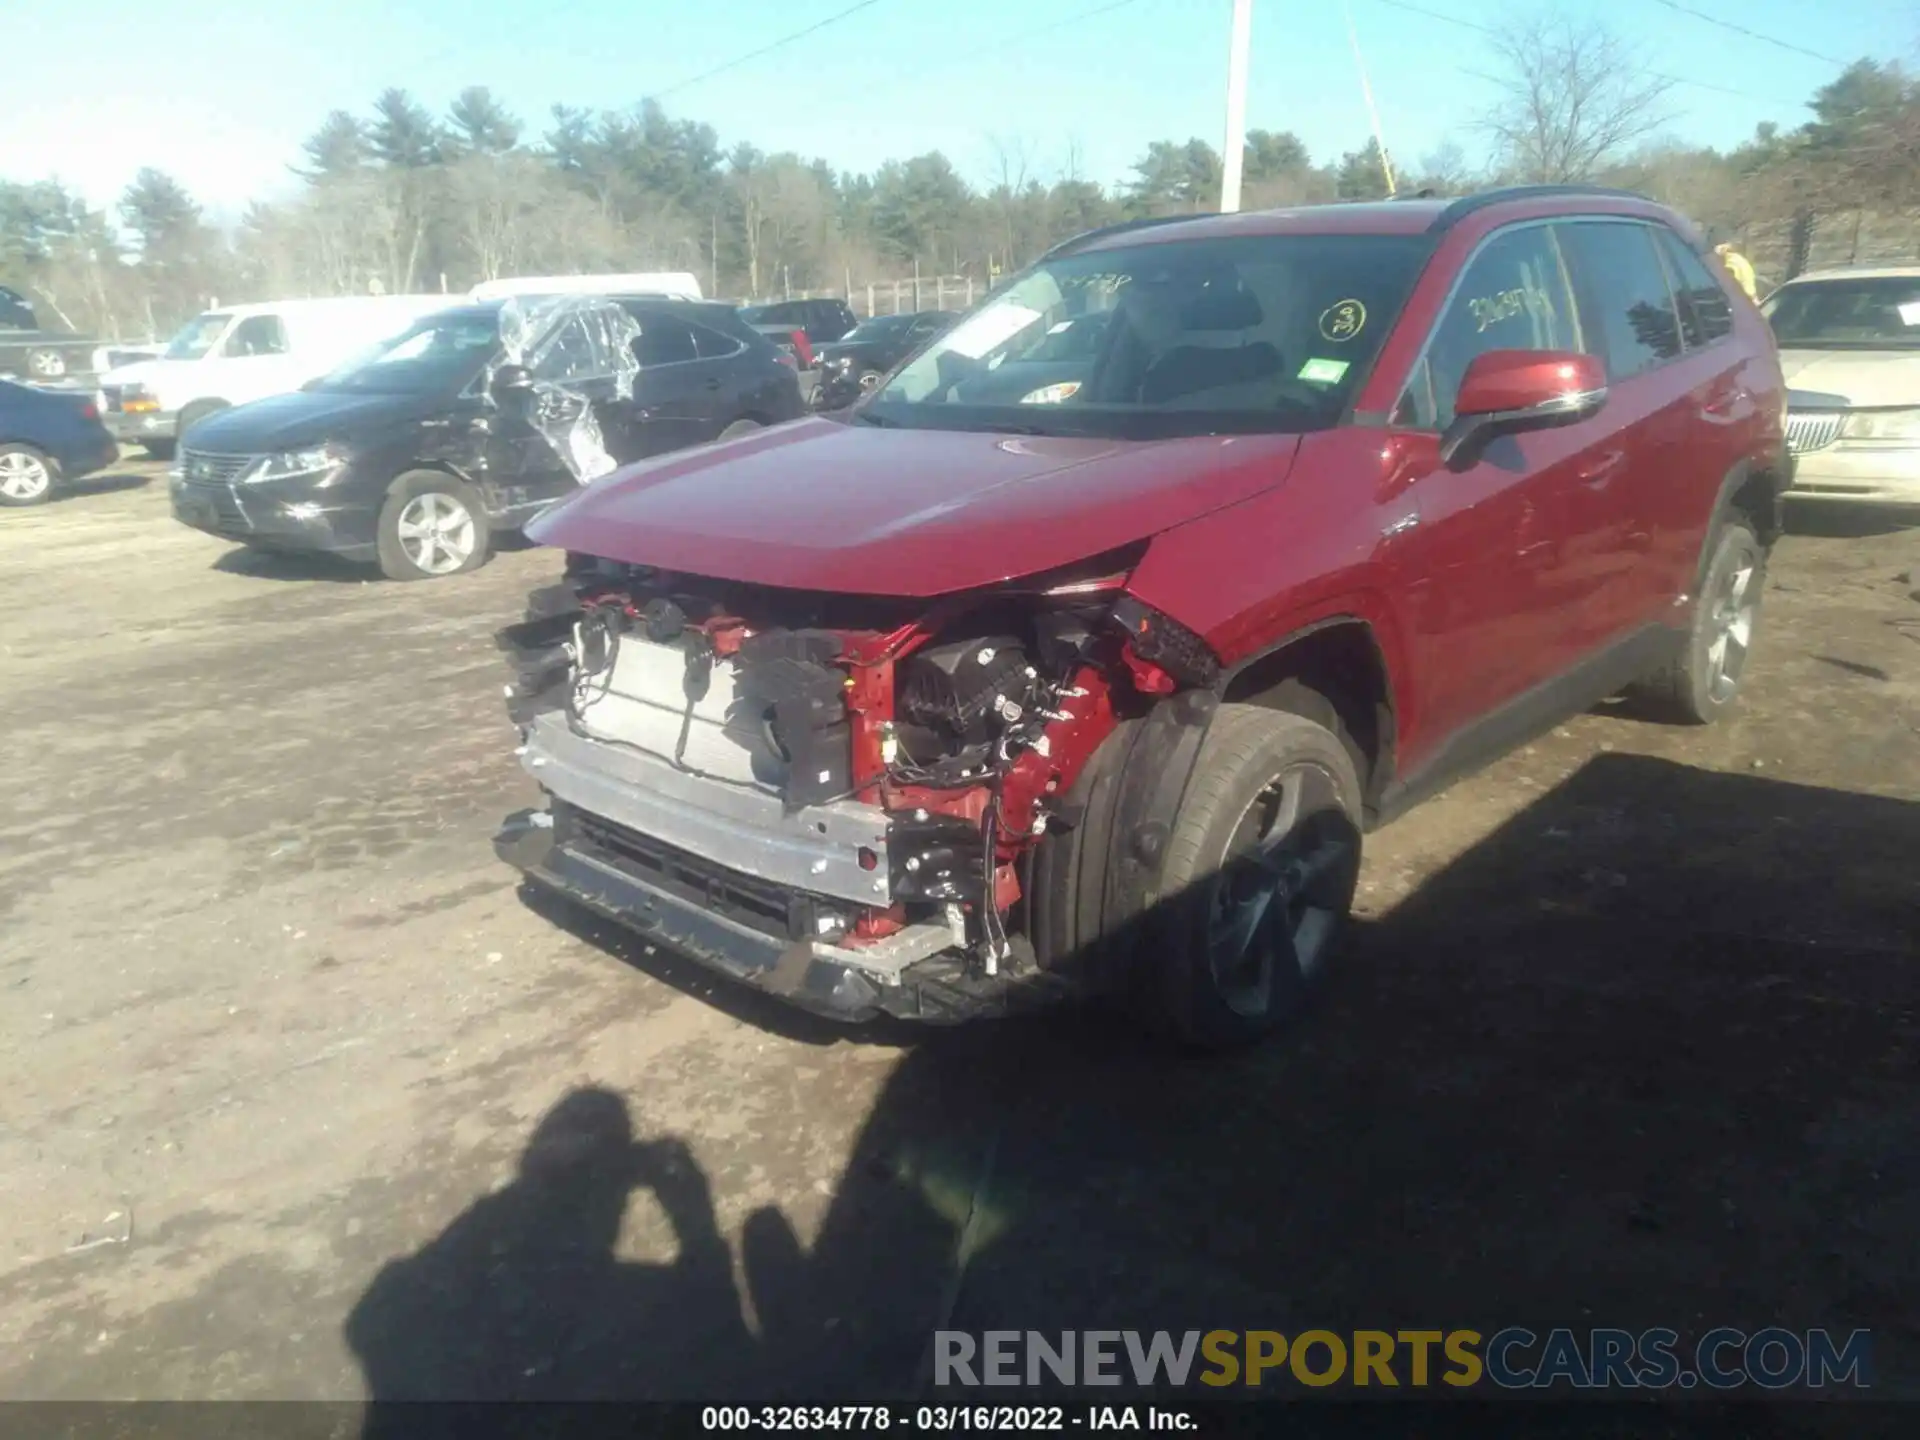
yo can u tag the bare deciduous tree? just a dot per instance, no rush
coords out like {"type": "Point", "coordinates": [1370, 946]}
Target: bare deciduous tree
{"type": "Point", "coordinates": [495, 204]}
{"type": "Point", "coordinates": [1573, 97]}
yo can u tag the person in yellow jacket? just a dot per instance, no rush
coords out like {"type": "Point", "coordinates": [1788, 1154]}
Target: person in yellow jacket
{"type": "Point", "coordinates": [1739, 267]}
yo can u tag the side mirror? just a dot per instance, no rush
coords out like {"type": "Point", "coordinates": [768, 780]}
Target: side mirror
{"type": "Point", "coordinates": [1507, 391]}
{"type": "Point", "coordinates": [509, 382]}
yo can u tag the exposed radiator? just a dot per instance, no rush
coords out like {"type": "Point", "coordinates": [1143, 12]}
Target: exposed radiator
{"type": "Point", "coordinates": [641, 700]}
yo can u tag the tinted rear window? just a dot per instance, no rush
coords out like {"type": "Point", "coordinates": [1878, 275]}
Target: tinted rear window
{"type": "Point", "coordinates": [1705, 314]}
{"type": "Point", "coordinates": [1623, 290]}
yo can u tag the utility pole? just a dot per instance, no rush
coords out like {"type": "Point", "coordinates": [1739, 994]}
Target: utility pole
{"type": "Point", "coordinates": [1366, 93]}
{"type": "Point", "coordinates": [1233, 154]}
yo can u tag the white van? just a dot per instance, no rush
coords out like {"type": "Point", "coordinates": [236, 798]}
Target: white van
{"type": "Point", "coordinates": [246, 352]}
{"type": "Point", "coordinates": [660, 282]}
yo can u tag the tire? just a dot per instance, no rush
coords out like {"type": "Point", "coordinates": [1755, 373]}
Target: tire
{"type": "Point", "coordinates": [194, 414]}
{"type": "Point", "coordinates": [739, 428]}
{"type": "Point", "coordinates": [1704, 680]}
{"type": "Point", "coordinates": [26, 476]}
{"type": "Point", "coordinates": [429, 498]}
{"type": "Point", "coordinates": [46, 364]}
{"type": "Point", "coordinates": [159, 449]}
{"type": "Point", "coordinates": [870, 381]}
{"type": "Point", "coordinates": [1251, 920]}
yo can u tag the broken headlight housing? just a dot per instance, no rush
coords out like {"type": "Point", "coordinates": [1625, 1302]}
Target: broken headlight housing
{"type": "Point", "coordinates": [292, 464]}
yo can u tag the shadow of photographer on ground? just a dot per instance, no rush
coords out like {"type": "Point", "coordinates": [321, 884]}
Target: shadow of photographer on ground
{"type": "Point", "coordinates": [1640, 1056]}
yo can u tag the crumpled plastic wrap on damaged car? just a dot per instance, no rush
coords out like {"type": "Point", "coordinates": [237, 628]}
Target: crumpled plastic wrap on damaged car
{"type": "Point", "coordinates": [579, 350]}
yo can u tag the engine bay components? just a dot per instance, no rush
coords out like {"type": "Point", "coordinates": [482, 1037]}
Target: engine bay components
{"type": "Point", "coordinates": [790, 677]}
{"type": "Point", "coordinates": [954, 731]}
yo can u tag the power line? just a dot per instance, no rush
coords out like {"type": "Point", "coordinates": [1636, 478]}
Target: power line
{"type": "Point", "coordinates": [1480, 29]}
{"type": "Point", "coordinates": [768, 49]}
{"type": "Point", "coordinates": [1728, 25]}
{"type": "Point", "coordinates": [965, 59]}
{"type": "Point", "coordinates": [1436, 15]}
{"type": "Point", "coordinates": [1076, 18]}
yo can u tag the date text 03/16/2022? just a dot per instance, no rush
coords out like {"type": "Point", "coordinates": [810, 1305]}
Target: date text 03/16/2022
{"type": "Point", "coordinates": [946, 1419]}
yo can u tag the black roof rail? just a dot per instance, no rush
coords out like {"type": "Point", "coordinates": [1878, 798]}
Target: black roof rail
{"type": "Point", "coordinates": [1471, 204]}
{"type": "Point", "coordinates": [1087, 237]}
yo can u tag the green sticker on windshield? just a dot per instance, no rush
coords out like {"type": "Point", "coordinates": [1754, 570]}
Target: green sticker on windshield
{"type": "Point", "coordinates": [1323, 372]}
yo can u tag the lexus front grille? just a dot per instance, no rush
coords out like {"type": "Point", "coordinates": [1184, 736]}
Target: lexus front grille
{"type": "Point", "coordinates": [205, 468]}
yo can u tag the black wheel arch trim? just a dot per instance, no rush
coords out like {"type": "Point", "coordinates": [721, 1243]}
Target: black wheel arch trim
{"type": "Point", "coordinates": [1779, 476]}
{"type": "Point", "coordinates": [1383, 770]}
{"type": "Point", "coordinates": [1152, 779]}
{"type": "Point", "coordinates": [417, 466]}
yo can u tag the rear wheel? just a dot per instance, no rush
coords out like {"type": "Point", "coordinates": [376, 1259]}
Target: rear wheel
{"type": "Point", "coordinates": [431, 526]}
{"type": "Point", "coordinates": [26, 476]}
{"type": "Point", "coordinates": [1260, 873]}
{"type": "Point", "coordinates": [870, 381]}
{"type": "Point", "coordinates": [158, 449]}
{"type": "Point", "coordinates": [46, 364]}
{"type": "Point", "coordinates": [1704, 679]}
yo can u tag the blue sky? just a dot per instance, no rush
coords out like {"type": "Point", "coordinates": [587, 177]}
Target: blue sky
{"type": "Point", "coordinates": [220, 92]}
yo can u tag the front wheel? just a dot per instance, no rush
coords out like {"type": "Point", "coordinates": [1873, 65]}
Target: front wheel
{"type": "Point", "coordinates": [1704, 679]}
{"type": "Point", "coordinates": [1260, 873]}
{"type": "Point", "coordinates": [26, 476]}
{"type": "Point", "coordinates": [46, 364]}
{"type": "Point", "coordinates": [431, 526]}
{"type": "Point", "coordinates": [739, 428]}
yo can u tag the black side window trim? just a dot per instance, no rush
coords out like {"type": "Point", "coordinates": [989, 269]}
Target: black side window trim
{"type": "Point", "coordinates": [1590, 309]}
{"type": "Point", "coordinates": [717, 335]}
{"type": "Point", "coordinates": [1666, 234]}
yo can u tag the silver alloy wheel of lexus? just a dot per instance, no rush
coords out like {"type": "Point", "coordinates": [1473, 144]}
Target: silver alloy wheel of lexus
{"type": "Point", "coordinates": [436, 532]}
{"type": "Point", "coordinates": [24, 477]}
{"type": "Point", "coordinates": [46, 364]}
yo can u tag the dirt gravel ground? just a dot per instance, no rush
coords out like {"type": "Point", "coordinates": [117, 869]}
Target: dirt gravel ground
{"type": "Point", "coordinates": [300, 1098]}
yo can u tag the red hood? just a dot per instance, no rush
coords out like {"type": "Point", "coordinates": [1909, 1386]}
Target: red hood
{"type": "Point", "coordinates": [827, 505]}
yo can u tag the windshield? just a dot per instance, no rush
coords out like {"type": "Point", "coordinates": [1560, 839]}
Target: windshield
{"type": "Point", "coordinates": [879, 328]}
{"type": "Point", "coordinates": [1871, 313]}
{"type": "Point", "coordinates": [1230, 335]}
{"type": "Point", "coordinates": [1064, 340]}
{"type": "Point", "coordinates": [198, 336]}
{"type": "Point", "coordinates": [439, 354]}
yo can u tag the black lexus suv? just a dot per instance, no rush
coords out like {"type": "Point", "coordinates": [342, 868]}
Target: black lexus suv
{"type": "Point", "coordinates": [416, 454]}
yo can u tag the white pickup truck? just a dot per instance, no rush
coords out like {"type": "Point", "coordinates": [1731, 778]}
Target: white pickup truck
{"type": "Point", "coordinates": [230, 356]}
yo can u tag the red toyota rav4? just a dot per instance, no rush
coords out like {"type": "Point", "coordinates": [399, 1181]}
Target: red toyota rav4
{"type": "Point", "coordinates": [1061, 668]}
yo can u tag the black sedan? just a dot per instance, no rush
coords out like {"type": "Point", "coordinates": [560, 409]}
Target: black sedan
{"type": "Point", "coordinates": [46, 437]}
{"type": "Point", "coordinates": [414, 455]}
{"type": "Point", "coordinates": [859, 360]}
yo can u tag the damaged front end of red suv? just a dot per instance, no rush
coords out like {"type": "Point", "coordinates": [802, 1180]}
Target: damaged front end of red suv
{"type": "Point", "coordinates": [842, 799]}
